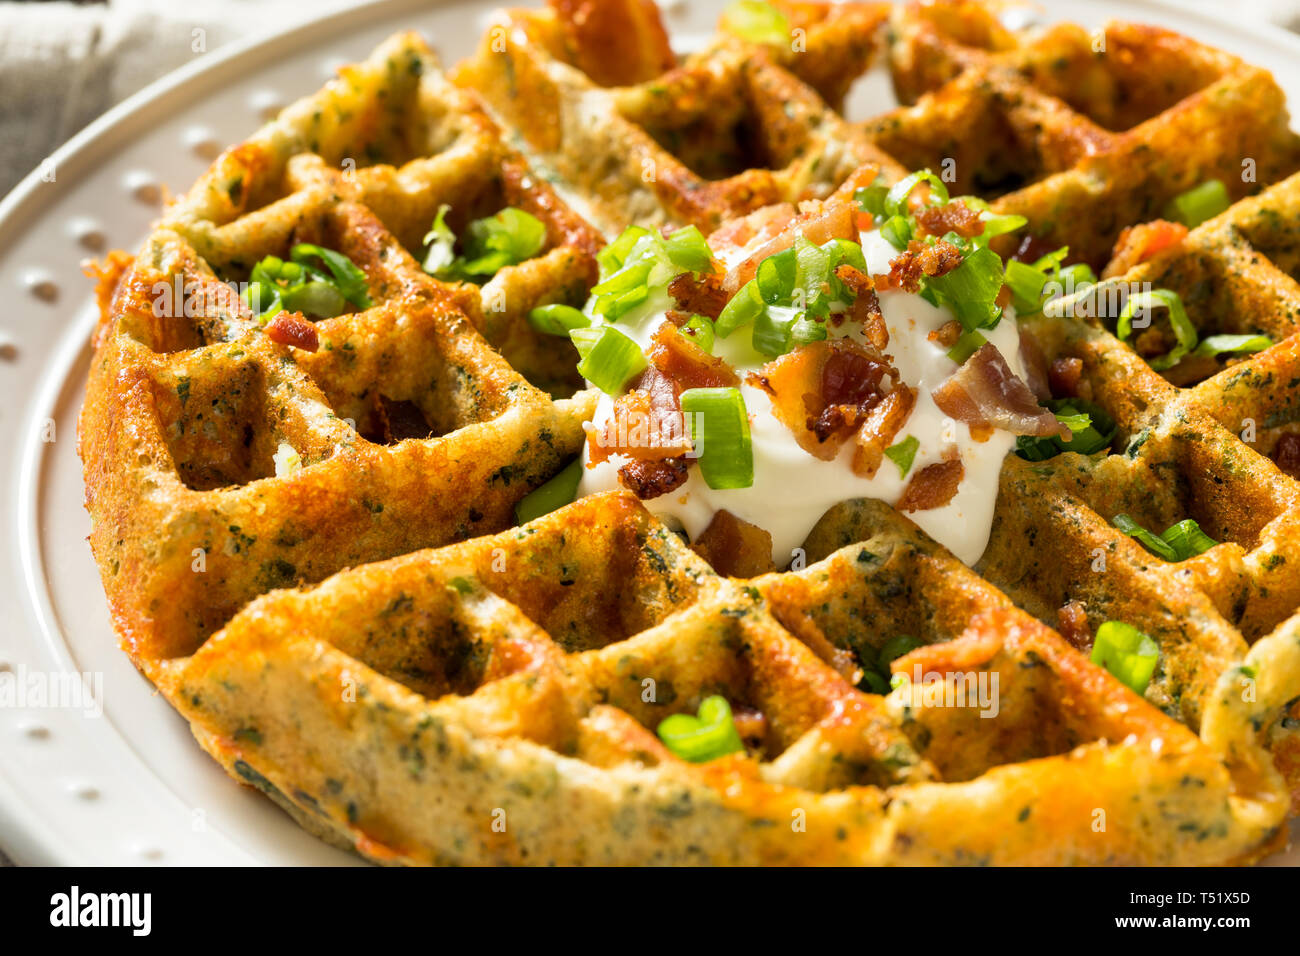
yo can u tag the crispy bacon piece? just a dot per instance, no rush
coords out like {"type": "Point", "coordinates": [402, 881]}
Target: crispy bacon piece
{"type": "Point", "coordinates": [878, 430]}
{"type": "Point", "coordinates": [1064, 376]}
{"type": "Point", "coordinates": [866, 305]}
{"type": "Point", "coordinates": [650, 479]}
{"type": "Point", "coordinates": [699, 295]}
{"type": "Point", "coordinates": [290, 328]}
{"type": "Point", "coordinates": [1286, 454]}
{"type": "Point", "coordinates": [759, 226]}
{"type": "Point", "coordinates": [641, 429]}
{"type": "Point", "coordinates": [750, 723]}
{"type": "Point", "coordinates": [1072, 622]}
{"type": "Point", "coordinates": [817, 221]}
{"type": "Point", "coordinates": [1139, 243]}
{"type": "Point", "coordinates": [685, 364]}
{"type": "Point", "coordinates": [932, 487]}
{"type": "Point", "coordinates": [647, 423]}
{"type": "Point", "coordinates": [904, 270]}
{"type": "Point", "coordinates": [940, 258]}
{"type": "Point", "coordinates": [734, 547]}
{"type": "Point", "coordinates": [616, 42]}
{"type": "Point", "coordinates": [828, 390]}
{"type": "Point", "coordinates": [953, 217]}
{"type": "Point", "coordinates": [946, 334]}
{"type": "Point", "coordinates": [984, 391]}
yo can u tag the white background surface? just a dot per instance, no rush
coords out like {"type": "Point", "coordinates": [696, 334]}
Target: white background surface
{"type": "Point", "coordinates": [132, 786]}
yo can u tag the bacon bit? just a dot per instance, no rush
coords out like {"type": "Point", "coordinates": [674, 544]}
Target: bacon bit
{"type": "Point", "coordinates": [699, 296]}
{"type": "Point", "coordinates": [650, 479]}
{"type": "Point", "coordinates": [1064, 377]}
{"type": "Point", "coordinates": [817, 221]}
{"type": "Point", "coordinates": [946, 334]}
{"type": "Point", "coordinates": [290, 328]}
{"type": "Point", "coordinates": [734, 547]}
{"type": "Point", "coordinates": [985, 391]}
{"type": "Point", "coordinates": [823, 390]}
{"type": "Point", "coordinates": [906, 268]}
{"type": "Point", "coordinates": [750, 723]}
{"type": "Point", "coordinates": [879, 428]}
{"type": "Point", "coordinates": [1286, 454]}
{"type": "Point", "coordinates": [932, 487]}
{"type": "Point", "coordinates": [953, 217]}
{"type": "Point", "coordinates": [866, 305]}
{"type": "Point", "coordinates": [981, 433]}
{"type": "Point", "coordinates": [1003, 298]}
{"type": "Point", "coordinates": [1137, 244]}
{"type": "Point", "coordinates": [1036, 376]}
{"type": "Point", "coordinates": [685, 364]}
{"type": "Point", "coordinates": [639, 429]}
{"type": "Point", "coordinates": [759, 226]}
{"type": "Point", "coordinates": [940, 258]}
{"type": "Point", "coordinates": [1072, 622]}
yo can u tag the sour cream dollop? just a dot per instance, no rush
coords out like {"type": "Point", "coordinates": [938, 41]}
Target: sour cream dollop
{"type": "Point", "coordinates": [792, 489]}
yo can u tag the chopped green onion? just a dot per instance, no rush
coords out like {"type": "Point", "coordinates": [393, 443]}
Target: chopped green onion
{"type": "Point", "coordinates": [1184, 331]}
{"type": "Point", "coordinates": [555, 493]}
{"type": "Point", "coordinates": [316, 298]}
{"type": "Point", "coordinates": [895, 648]}
{"type": "Point", "coordinates": [806, 330]}
{"type": "Point", "coordinates": [897, 231]}
{"type": "Point", "coordinates": [1127, 653]}
{"type": "Point", "coordinates": [441, 242]}
{"type": "Point", "coordinates": [843, 251]}
{"type": "Point", "coordinates": [872, 198]}
{"type": "Point", "coordinates": [609, 358]}
{"type": "Point", "coordinates": [773, 331]}
{"type": "Point", "coordinates": [623, 291]}
{"type": "Point", "coordinates": [896, 198]}
{"type": "Point", "coordinates": [998, 225]}
{"type": "Point", "coordinates": [557, 319]}
{"type": "Point", "coordinates": [1027, 284]}
{"type": "Point", "coordinates": [971, 290]}
{"type": "Point", "coordinates": [699, 329]}
{"type": "Point", "coordinates": [348, 279]}
{"type": "Point", "coordinates": [688, 250]}
{"type": "Point", "coordinates": [1233, 344]}
{"type": "Point", "coordinates": [611, 258]}
{"type": "Point", "coordinates": [506, 239]}
{"type": "Point", "coordinates": [1178, 542]}
{"type": "Point", "coordinates": [777, 276]}
{"type": "Point", "coordinates": [967, 345]}
{"type": "Point", "coordinates": [720, 432]}
{"type": "Point", "coordinates": [710, 734]}
{"type": "Point", "coordinates": [1199, 203]}
{"type": "Point", "coordinates": [1086, 441]}
{"type": "Point", "coordinates": [875, 684]}
{"type": "Point", "coordinates": [755, 21]}
{"type": "Point", "coordinates": [745, 306]}
{"type": "Point", "coordinates": [1187, 539]}
{"type": "Point", "coordinates": [1153, 543]}
{"type": "Point", "coordinates": [1077, 276]}
{"type": "Point", "coordinates": [903, 454]}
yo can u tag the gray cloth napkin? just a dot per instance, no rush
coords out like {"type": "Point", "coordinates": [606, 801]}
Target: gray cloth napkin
{"type": "Point", "coordinates": [63, 64]}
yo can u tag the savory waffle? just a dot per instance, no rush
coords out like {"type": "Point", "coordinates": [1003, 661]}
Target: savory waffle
{"type": "Point", "coordinates": [494, 697]}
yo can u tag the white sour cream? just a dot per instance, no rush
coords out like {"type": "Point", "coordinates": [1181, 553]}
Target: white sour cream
{"type": "Point", "coordinates": [792, 489]}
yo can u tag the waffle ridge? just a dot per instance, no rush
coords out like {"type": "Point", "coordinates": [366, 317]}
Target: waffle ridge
{"type": "Point", "coordinates": [374, 644]}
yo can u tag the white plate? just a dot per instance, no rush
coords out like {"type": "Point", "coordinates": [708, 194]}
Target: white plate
{"type": "Point", "coordinates": [129, 785]}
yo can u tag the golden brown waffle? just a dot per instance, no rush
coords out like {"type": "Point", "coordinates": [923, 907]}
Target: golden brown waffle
{"type": "Point", "coordinates": [371, 643]}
